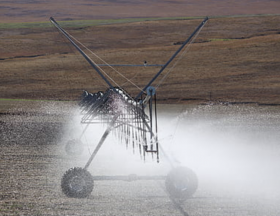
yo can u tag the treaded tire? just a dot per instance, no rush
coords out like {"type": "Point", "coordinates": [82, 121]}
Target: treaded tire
{"type": "Point", "coordinates": [77, 182]}
{"type": "Point", "coordinates": [181, 183]}
{"type": "Point", "coordinates": [74, 147]}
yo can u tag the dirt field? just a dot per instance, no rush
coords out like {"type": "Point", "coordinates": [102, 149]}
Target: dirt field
{"type": "Point", "coordinates": [33, 159]}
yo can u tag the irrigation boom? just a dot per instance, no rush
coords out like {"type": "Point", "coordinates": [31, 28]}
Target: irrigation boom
{"type": "Point", "coordinates": [125, 116]}
{"type": "Point", "coordinates": [81, 51]}
{"type": "Point", "coordinates": [101, 74]}
{"type": "Point", "coordinates": [172, 57]}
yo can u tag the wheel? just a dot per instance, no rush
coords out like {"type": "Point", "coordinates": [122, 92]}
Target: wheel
{"type": "Point", "coordinates": [74, 147]}
{"type": "Point", "coordinates": [77, 182]}
{"type": "Point", "coordinates": [181, 183]}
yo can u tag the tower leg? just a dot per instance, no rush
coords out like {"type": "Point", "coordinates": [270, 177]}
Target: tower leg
{"type": "Point", "coordinates": [103, 138]}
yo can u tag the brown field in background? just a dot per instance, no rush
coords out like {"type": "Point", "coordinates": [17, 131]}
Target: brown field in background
{"type": "Point", "coordinates": [39, 10]}
{"type": "Point", "coordinates": [233, 59]}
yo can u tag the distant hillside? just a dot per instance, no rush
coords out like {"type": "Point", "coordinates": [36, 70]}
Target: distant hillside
{"type": "Point", "coordinates": [233, 59]}
{"type": "Point", "coordinates": [41, 10]}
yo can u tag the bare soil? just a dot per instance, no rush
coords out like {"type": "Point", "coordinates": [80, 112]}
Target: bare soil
{"type": "Point", "coordinates": [33, 160]}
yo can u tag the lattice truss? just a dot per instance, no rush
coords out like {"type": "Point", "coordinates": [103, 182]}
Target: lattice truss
{"type": "Point", "coordinates": [123, 114]}
{"type": "Point", "coordinates": [126, 118]}
{"type": "Point", "coordinates": [129, 121]}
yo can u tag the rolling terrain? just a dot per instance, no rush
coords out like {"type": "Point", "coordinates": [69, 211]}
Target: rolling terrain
{"type": "Point", "coordinates": [233, 59]}
{"type": "Point", "coordinates": [39, 10]}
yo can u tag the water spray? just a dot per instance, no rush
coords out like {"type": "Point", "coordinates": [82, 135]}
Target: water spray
{"type": "Point", "coordinates": [127, 118]}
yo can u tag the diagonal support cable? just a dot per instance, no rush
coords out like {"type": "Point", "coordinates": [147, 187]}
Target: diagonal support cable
{"type": "Point", "coordinates": [81, 51]}
{"type": "Point", "coordinates": [171, 59]}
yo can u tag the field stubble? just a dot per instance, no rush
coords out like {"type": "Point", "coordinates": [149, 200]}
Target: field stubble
{"type": "Point", "coordinates": [33, 160]}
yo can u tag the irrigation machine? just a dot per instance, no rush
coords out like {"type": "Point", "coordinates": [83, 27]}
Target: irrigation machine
{"type": "Point", "coordinates": [133, 120]}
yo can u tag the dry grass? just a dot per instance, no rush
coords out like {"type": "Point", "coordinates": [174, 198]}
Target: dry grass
{"type": "Point", "coordinates": [32, 10]}
{"type": "Point", "coordinates": [233, 59]}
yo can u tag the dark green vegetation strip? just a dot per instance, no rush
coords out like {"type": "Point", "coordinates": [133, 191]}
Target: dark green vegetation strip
{"type": "Point", "coordinates": [83, 23]}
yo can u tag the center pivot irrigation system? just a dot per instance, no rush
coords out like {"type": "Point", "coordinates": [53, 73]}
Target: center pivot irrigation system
{"type": "Point", "coordinates": [133, 120]}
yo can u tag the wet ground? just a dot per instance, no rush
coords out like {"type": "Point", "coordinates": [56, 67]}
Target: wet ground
{"type": "Point", "coordinates": [233, 149]}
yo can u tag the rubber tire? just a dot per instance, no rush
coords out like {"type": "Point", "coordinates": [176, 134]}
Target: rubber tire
{"type": "Point", "coordinates": [181, 183]}
{"type": "Point", "coordinates": [77, 182]}
{"type": "Point", "coordinates": [74, 147]}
